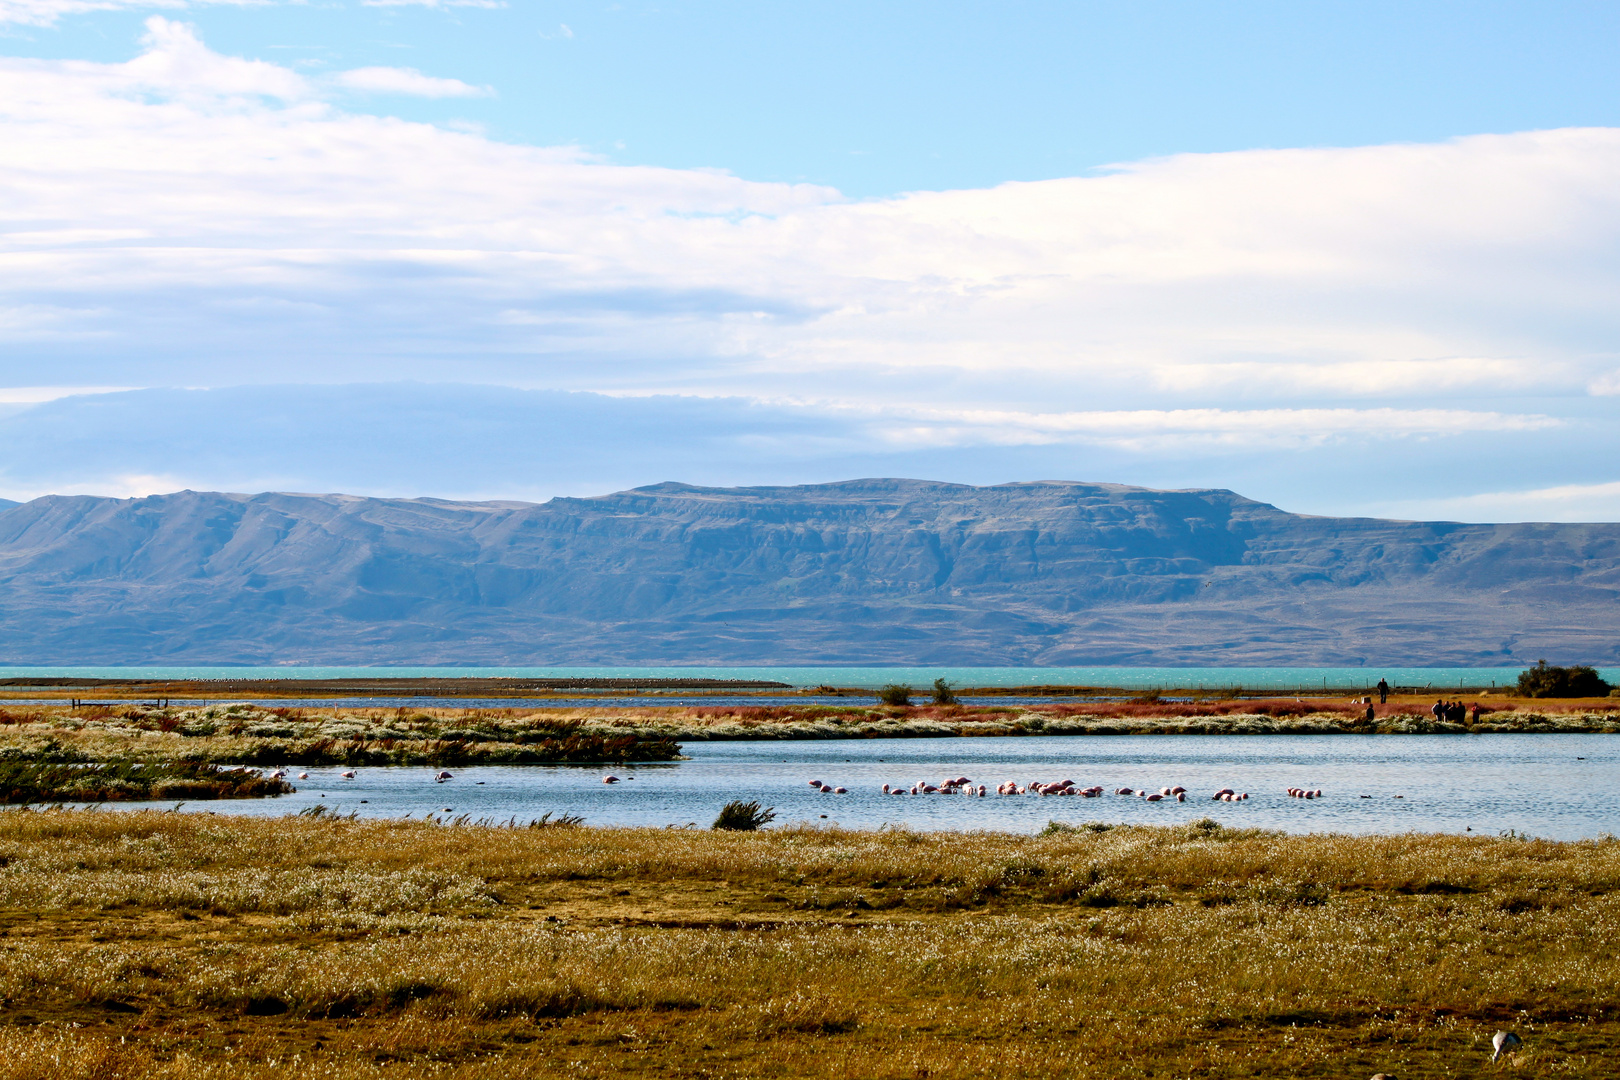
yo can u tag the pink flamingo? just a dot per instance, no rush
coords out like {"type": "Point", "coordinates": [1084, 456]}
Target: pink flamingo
{"type": "Point", "coordinates": [610, 779]}
{"type": "Point", "coordinates": [349, 775]}
{"type": "Point", "coordinates": [442, 777]}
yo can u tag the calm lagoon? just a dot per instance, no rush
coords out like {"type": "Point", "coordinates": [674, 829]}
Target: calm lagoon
{"type": "Point", "coordinates": [1557, 786]}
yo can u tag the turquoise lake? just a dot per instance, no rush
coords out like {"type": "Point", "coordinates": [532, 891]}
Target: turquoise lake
{"type": "Point", "coordinates": [1142, 678]}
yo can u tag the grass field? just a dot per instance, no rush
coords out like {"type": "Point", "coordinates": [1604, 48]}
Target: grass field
{"type": "Point", "coordinates": [188, 945]}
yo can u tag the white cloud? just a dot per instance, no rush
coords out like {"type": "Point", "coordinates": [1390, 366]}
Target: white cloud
{"type": "Point", "coordinates": [1362, 378]}
{"type": "Point", "coordinates": [1159, 430]}
{"type": "Point", "coordinates": [160, 214]}
{"type": "Point", "coordinates": [177, 62]}
{"type": "Point", "coordinates": [36, 395]}
{"type": "Point", "coordinates": [49, 12]}
{"type": "Point", "coordinates": [1563, 502]}
{"type": "Point", "coordinates": [435, 3]}
{"type": "Point", "coordinates": [407, 81]}
{"type": "Point", "coordinates": [1606, 385]}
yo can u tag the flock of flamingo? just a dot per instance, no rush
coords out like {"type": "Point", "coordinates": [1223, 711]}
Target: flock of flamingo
{"type": "Point", "coordinates": [961, 785]}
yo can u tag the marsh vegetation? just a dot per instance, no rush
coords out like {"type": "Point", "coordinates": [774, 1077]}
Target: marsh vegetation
{"type": "Point", "coordinates": [190, 946]}
{"type": "Point", "coordinates": [243, 734]}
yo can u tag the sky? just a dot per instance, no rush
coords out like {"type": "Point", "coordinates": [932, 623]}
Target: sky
{"type": "Point", "coordinates": [1347, 258]}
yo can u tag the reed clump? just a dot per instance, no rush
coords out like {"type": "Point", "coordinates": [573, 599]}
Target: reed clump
{"type": "Point", "coordinates": [173, 945]}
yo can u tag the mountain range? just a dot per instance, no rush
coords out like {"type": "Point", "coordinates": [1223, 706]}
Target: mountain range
{"type": "Point", "coordinates": [865, 571]}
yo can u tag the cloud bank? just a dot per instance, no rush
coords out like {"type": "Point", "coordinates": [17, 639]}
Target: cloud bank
{"type": "Point", "coordinates": [193, 219]}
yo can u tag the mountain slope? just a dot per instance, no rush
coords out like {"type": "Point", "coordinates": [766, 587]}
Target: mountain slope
{"type": "Point", "coordinates": [862, 571]}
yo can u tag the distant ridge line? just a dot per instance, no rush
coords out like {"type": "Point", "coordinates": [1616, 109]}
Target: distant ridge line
{"type": "Point", "coordinates": [870, 572]}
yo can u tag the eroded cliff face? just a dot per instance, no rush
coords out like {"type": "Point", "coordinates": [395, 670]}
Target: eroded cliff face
{"type": "Point", "coordinates": [862, 571]}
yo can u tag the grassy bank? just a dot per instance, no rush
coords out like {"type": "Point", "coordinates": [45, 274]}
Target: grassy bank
{"type": "Point", "coordinates": [173, 945]}
{"type": "Point", "coordinates": [249, 735]}
{"type": "Point", "coordinates": [35, 782]}
{"type": "Point", "coordinates": [252, 735]}
{"type": "Point", "coordinates": [1264, 717]}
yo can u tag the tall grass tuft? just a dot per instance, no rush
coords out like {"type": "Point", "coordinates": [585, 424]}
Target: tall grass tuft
{"type": "Point", "coordinates": [739, 816]}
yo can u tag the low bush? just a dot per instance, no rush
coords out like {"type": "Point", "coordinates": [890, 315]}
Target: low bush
{"type": "Point", "coordinates": [897, 694]}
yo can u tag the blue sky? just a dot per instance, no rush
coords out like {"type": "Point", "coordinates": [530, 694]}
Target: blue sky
{"type": "Point", "coordinates": [1348, 258]}
{"type": "Point", "coordinates": [880, 98]}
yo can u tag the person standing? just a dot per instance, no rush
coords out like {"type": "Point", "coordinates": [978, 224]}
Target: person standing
{"type": "Point", "coordinates": [1383, 692]}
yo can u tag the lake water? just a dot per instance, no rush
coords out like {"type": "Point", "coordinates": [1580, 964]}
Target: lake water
{"type": "Point", "coordinates": [1556, 786]}
{"type": "Point", "coordinates": [1140, 678]}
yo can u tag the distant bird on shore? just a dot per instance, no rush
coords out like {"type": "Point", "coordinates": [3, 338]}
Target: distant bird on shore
{"type": "Point", "coordinates": [1504, 1042]}
{"type": "Point", "coordinates": [347, 774]}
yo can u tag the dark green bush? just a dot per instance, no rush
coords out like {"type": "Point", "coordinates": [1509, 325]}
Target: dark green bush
{"type": "Point", "coordinates": [739, 816]}
{"type": "Point", "coordinates": [942, 693]}
{"type": "Point", "coordinates": [1579, 681]}
{"type": "Point", "coordinates": [895, 694]}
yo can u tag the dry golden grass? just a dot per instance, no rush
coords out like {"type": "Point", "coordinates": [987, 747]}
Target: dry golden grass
{"type": "Point", "coordinates": [189, 946]}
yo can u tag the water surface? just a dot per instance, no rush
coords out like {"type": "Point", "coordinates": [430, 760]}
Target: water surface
{"type": "Point", "coordinates": [1556, 786]}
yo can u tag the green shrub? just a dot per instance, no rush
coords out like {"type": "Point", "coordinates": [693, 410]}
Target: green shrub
{"type": "Point", "coordinates": [942, 693]}
{"type": "Point", "coordinates": [739, 816]}
{"type": "Point", "coordinates": [895, 694]}
{"type": "Point", "coordinates": [1580, 681]}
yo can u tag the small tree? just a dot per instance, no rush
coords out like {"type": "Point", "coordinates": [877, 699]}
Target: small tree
{"type": "Point", "coordinates": [1578, 681]}
{"type": "Point", "coordinates": [895, 694]}
{"type": "Point", "coordinates": [942, 693]}
{"type": "Point", "coordinates": [739, 816]}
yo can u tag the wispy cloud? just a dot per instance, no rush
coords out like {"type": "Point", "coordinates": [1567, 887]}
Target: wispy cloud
{"type": "Point", "coordinates": [1563, 502]}
{"type": "Point", "coordinates": [1159, 430]}
{"type": "Point", "coordinates": [435, 3]}
{"type": "Point", "coordinates": [49, 12]}
{"type": "Point", "coordinates": [35, 395]}
{"type": "Point", "coordinates": [407, 81]}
